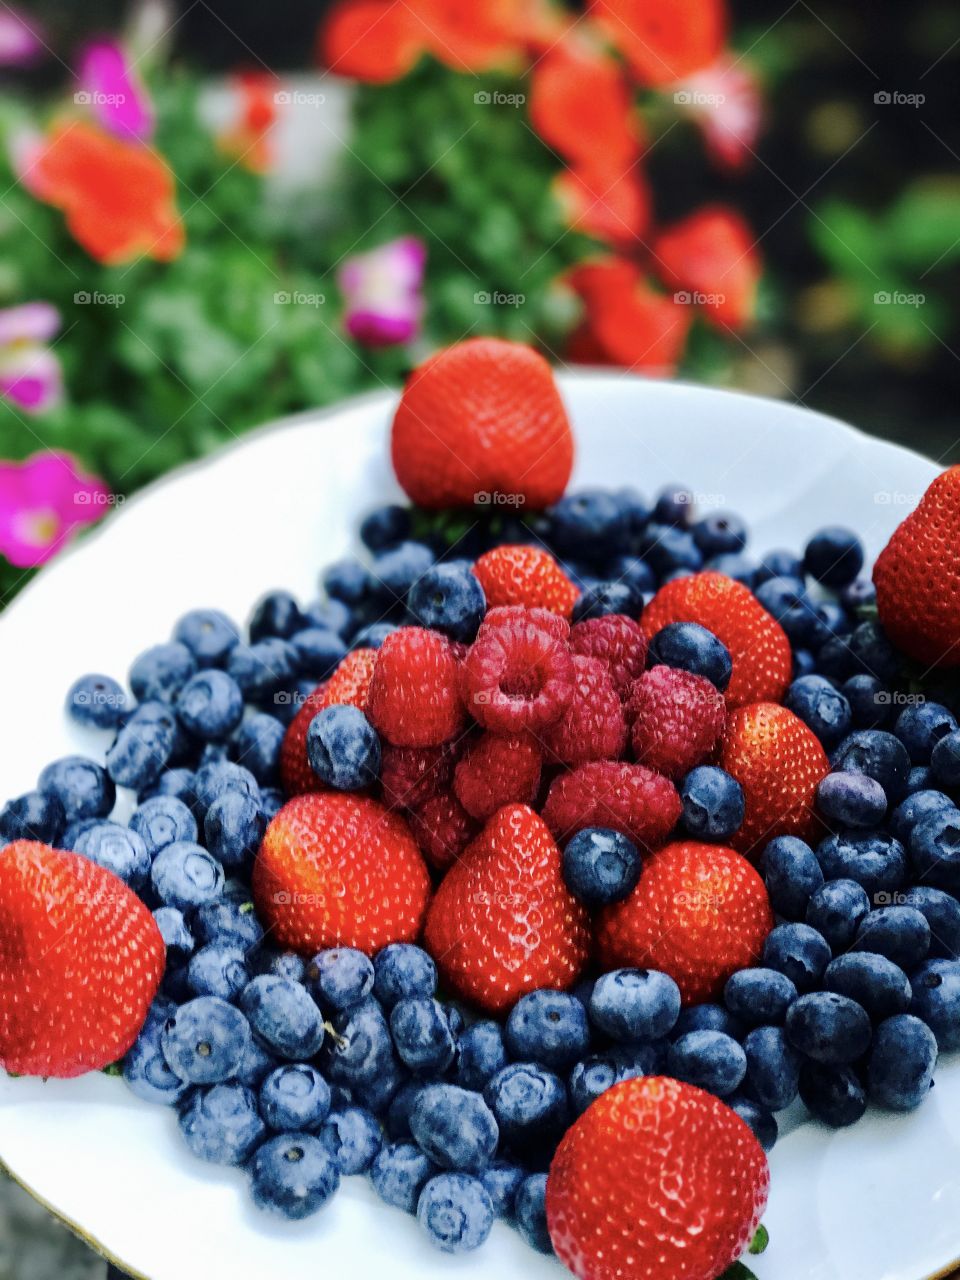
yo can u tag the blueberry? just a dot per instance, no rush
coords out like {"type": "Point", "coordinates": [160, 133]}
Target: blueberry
{"type": "Point", "coordinates": [283, 1015]}
{"type": "Point", "coordinates": [757, 996]}
{"type": "Point", "coordinates": [945, 760]}
{"type": "Point", "coordinates": [204, 1040]}
{"type": "Point", "coordinates": [834, 556]}
{"type": "Point", "coordinates": [720, 533]}
{"type": "Point", "coordinates": [635, 1004]}
{"type": "Point", "coordinates": [98, 701]}
{"type": "Point", "coordinates": [673, 505]}
{"type": "Point", "coordinates": [353, 1137]}
{"type": "Point", "coordinates": [343, 748]}
{"type": "Point", "coordinates": [208, 634]}
{"type": "Point", "coordinates": [832, 1094]}
{"type": "Point", "coordinates": [161, 821]}
{"type": "Point", "coordinates": [399, 1173]}
{"type": "Point", "coordinates": [256, 744]}
{"type": "Point", "coordinates": [589, 522]}
{"type": "Point", "coordinates": [227, 920]}
{"type": "Point", "coordinates": [713, 803]}
{"type": "Point", "coordinates": [422, 1036]}
{"type": "Point", "coordinates": [210, 705]}
{"type": "Point", "coordinates": [159, 674]}
{"type": "Point", "coordinates": [836, 910]}
{"type": "Point", "coordinates": [635, 574]}
{"type": "Point", "coordinates": [707, 1017]}
{"type": "Point", "coordinates": [396, 570]}
{"type": "Point", "coordinates": [530, 1211]}
{"type": "Point", "coordinates": [757, 1118]}
{"type": "Point", "coordinates": [319, 650]}
{"type": "Point", "coordinates": [779, 564]}
{"type": "Point", "coordinates": [263, 668]}
{"type": "Point", "coordinates": [871, 651]}
{"type": "Point", "coordinates": [590, 1078]}
{"type": "Point", "coordinates": [501, 1181]}
{"type": "Point", "coordinates": [233, 828]}
{"type": "Point", "coordinates": [859, 595]}
{"type": "Point", "coordinates": [82, 787]}
{"type": "Point", "coordinates": [921, 726]}
{"type": "Point", "coordinates": [920, 779]}
{"type": "Point", "coordinates": [283, 964]}
{"type": "Point", "coordinates": [851, 800]}
{"type": "Point", "coordinates": [177, 938]}
{"type": "Point", "coordinates": [918, 806]}
{"type": "Point", "coordinates": [708, 1059]}
{"type": "Point", "coordinates": [548, 1027]}
{"type": "Point", "coordinates": [602, 598]}
{"type": "Point", "coordinates": [256, 1065]}
{"type": "Point", "coordinates": [455, 1127]}
{"type": "Point", "coordinates": [218, 969]}
{"type": "Point", "coordinates": [385, 526]}
{"type": "Point", "coordinates": [821, 707]}
{"type": "Point", "coordinates": [403, 970]}
{"type": "Point", "coordinates": [272, 801]}
{"type": "Point", "coordinates": [377, 1094]}
{"type": "Point", "coordinates": [601, 866]}
{"type": "Point", "coordinates": [902, 1060]}
{"type": "Point", "coordinates": [936, 1000]}
{"type": "Point", "coordinates": [144, 746]}
{"type": "Point", "coordinates": [361, 1049]}
{"type": "Point", "coordinates": [146, 1071]}
{"type": "Point", "coordinates": [373, 635]}
{"type": "Point", "coordinates": [116, 849]}
{"type": "Point", "coordinates": [184, 875]}
{"type": "Point", "coordinates": [880, 756]}
{"type": "Point", "coordinates": [900, 933]}
{"type": "Point", "coordinates": [874, 860]}
{"type": "Point", "coordinates": [668, 549]}
{"type": "Point", "coordinates": [293, 1176]}
{"type": "Point", "coordinates": [942, 912]}
{"type": "Point", "coordinates": [740, 568]}
{"type": "Point", "coordinates": [787, 600]}
{"type": "Point", "coordinates": [869, 701]}
{"type": "Point", "coordinates": [397, 1122]}
{"type": "Point", "coordinates": [213, 779]}
{"type": "Point", "coordinates": [275, 614]}
{"type": "Point", "coordinates": [37, 815]}
{"type": "Point", "coordinates": [792, 875]}
{"type": "Point", "coordinates": [341, 977]}
{"type": "Point", "coordinates": [646, 1059]}
{"type": "Point", "coordinates": [529, 1103]}
{"type": "Point", "coordinates": [482, 1055]}
{"type": "Point", "coordinates": [772, 1074]}
{"type": "Point", "coordinates": [175, 783]}
{"type": "Point", "coordinates": [456, 1212]}
{"type": "Point", "coordinates": [329, 615]}
{"type": "Point", "coordinates": [829, 1028]}
{"type": "Point", "coordinates": [935, 850]}
{"type": "Point", "coordinates": [692, 648]}
{"type": "Point", "coordinates": [799, 952]}
{"type": "Point", "coordinates": [295, 1098]}
{"type": "Point", "coordinates": [449, 598]}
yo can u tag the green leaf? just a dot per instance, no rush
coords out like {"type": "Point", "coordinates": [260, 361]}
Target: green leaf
{"type": "Point", "coordinates": [760, 1240]}
{"type": "Point", "coordinates": [738, 1272]}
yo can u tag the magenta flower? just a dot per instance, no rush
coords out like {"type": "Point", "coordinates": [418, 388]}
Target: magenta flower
{"type": "Point", "coordinates": [726, 102]}
{"type": "Point", "coordinates": [20, 43]}
{"type": "Point", "coordinates": [110, 86]}
{"type": "Point", "coordinates": [382, 292]}
{"type": "Point", "coordinates": [29, 371]}
{"type": "Point", "coordinates": [43, 501]}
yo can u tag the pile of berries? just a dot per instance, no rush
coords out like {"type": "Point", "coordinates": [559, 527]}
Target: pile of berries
{"type": "Point", "coordinates": [499, 853]}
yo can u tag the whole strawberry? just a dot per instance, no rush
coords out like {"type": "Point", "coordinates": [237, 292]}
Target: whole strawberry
{"type": "Point", "coordinates": [496, 770]}
{"type": "Point", "coordinates": [759, 648]}
{"type": "Point", "coordinates": [629, 798]}
{"type": "Point", "coordinates": [677, 719]}
{"type": "Point", "coordinates": [618, 641]}
{"type": "Point", "coordinates": [699, 913]}
{"type": "Point", "coordinates": [349, 685]}
{"type": "Point", "coordinates": [81, 959]}
{"type": "Point", "coordinates": [480, 418]}
{"type": "Point", "coordinates": [527, 576]}
{"type": "Point", "coordinates": [503, 922]}
{"type": "Point", "coordinates": [657, 1180]}
{"type": "Point", "coordinates": [414, 695]}
{"type": "Point", "coordinates": [917, 577]}
{"type": "Point", "coordinates": [779, 763]}
{"type": "Point", "coordinates": [339, 870]}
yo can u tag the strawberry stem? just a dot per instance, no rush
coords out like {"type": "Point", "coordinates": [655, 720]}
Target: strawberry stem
{"type": "Point", "coordinates": [759, 1241]}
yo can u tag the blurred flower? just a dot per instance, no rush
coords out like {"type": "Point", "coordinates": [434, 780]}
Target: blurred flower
{"type": "Point", "coordinates": [661, 42]}
{"type": "Point", "coordinates": [20, 43]}
{"type": "Point", "coordinates": [382, 291]}
{"type": "Point", "coordinates": [110, 86]}
{"type": "Point", "coordinates": [248, 138]}
{"type": "Point", "coordinates": [711, 257]}
{"type": "Point", "coordinates": [119, 199]}
{"type": "Point", "coordinates": [613, 205]}
{"type": "Point", "coordinates": [42, 503]}
{"type": "Point", "coordinates": [626, 321]}
{"type": "Point", "coordinates": [725, 101]}
{"type": "Point", "coordinates": [29, 371]}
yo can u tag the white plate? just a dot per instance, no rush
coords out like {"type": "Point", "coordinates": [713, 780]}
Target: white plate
{"type": "Point", "coordinates": [880, 1201]}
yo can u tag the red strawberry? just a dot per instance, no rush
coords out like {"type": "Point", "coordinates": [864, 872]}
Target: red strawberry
{"type": "Point", "coordinates": [593, 726]}
{"type": "Point", "coordinates": [657, 51]}
{"type": "Point", "coordinates": [496, 770]}
{"type": "Point", "coordinates": [503, 922]}
{"type": "Point", "coordinates": [443, 829]}
{"type": "Point", "coordinates": [339, 870]}
{"type": "Point", "coordinates": [762, 661]}
{"type": "Point", "coordinates": [629, 798]}
{"type": "Point", "coordinates": [699, 913]}
{"type": "Point", "coordinates": [350, 685]}
{"type": "Point", "coordinates": [482, 417]}
{"type": "Point", "coordinates": [713, 253]}
{"type": "Point", "coordinates": [80, 961]}
{"type": "Point", "coordinates": [414, 695]}
{"type": "Point", "coordinates": [518, 675]}
{"type": "Point", "coordinates": [525, 575]}
{"type": "Point", "coordinates": [918, 577]}
{"type": "Point", "coordinates": [657, 1180]}
{"type": "Point", "coordinates": [677, 719]}
{"type": "Point", "coordinates": [616, 640]}
{"type": "Point", "coordinates": [779, 762]}
{"type": "Point", "coordinates": [410, 776]}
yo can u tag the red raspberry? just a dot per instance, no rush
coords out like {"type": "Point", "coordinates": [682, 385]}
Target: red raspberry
{"type": "Point", "coordinates": [677, 718]}
{"type": "Point", "coordinates": [629, 798]}
{"type": "Point", "coordinates": [616, 640]}
{"type": "Point", "coordinates": [558, 627]}
{"type": "Point", "coordinates": [443, 829]}
{"type": "Point", "coordinates": [593, 726]}
{"type": "Point", "coordinates": [413, 775]}
{"type": "Point", "coordinates": [525, 575]}
{"type": "Point", "coordinates": [497, 770]}
{"type": "Point", "coordinates": [349, 685]}
{"type": "Point", "coordinates": [517, 676]}
{"type": "Point", "coordinates": [414, 699]}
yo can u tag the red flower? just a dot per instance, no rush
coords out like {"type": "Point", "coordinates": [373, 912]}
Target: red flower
{"type": "Point", "coordinates": [248, 136]}
{"type": "Point", "coordinates": [663, 42]}
{"type": "Point", "coordinates": [713, 255]}
{"type": "Point", "coordinates": [613, 205]}
{"type": "Point", "coordinates": [627, 322]}
{"type": "Point", "coordinates": [118, 197]}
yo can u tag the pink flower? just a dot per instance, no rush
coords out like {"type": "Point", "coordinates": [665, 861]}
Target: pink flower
{"type": "Point", "coordinates": [725, 101]}
{"type": "Point", "coordinates": [20, 42]}
{"type": "Point", "coordinates": [382, 291]}
{"type": "Point", "coordinates": [111, 87]}
{"type": "Point", "coordinates": [29, 371]}
{"type": "Point", "coordinates": [43, 501]}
